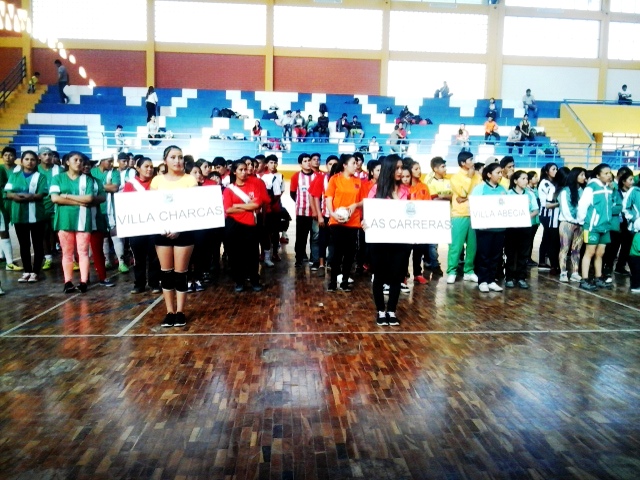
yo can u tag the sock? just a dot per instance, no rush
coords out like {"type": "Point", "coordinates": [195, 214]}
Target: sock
{"type": "Point", "coordinates": [5, 244]}
{"type": "Point", "coordinates": [48, 257]}
{"type": "Point", "coordinates": [105, 249]}
{"type": "Point", "coordinates": [118, 246]}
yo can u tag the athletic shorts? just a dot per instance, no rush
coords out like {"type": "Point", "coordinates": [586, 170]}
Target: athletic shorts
{"type": "Point", "coordinates": [595, 238]}
{"type": "Point", "coordinates": [185, 239]}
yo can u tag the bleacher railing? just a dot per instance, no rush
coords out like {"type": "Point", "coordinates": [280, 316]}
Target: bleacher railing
{"type": "Point", "coordinates": [12, 80]}
{"type": "Point", "coordinates": [534, 155]}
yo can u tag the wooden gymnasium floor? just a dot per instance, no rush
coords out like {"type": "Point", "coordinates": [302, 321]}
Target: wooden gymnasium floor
{"type": "Point", "coordinates": [297, 383]}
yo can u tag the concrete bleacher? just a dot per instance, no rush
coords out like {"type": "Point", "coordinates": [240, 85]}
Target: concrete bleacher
{"type": "Point", "coordinates": [88, 121]}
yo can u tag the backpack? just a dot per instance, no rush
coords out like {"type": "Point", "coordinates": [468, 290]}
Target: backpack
{"type": "Point", "coordinates": [227, 113]}
{"type": "Point", "coordinates": [215, 112]}
{"type": "Point", "coordinates": [387, 110]}
{"type": "Point", "coordinates": [269, 115]}
{"type": "Point", "coordinates": [323, 108]}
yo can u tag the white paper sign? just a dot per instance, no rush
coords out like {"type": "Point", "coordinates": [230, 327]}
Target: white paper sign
{"type": "Point", "coordinates": [404, 221]}
{"type": "Point", "coordinates": [160, 211]}
{"type": "Point", "coordinates": [499, 211]}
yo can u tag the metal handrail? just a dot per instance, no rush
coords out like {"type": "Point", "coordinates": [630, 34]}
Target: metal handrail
{"type": "Point", "coordinates": [575, 116]}
{"type": "Point", "coordinates": [12, 80]}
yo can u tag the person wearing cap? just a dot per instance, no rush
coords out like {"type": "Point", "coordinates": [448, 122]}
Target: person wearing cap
{"type": "Point", "coordinates": [47, 168]}
{"type": "Point", "coordinates": [110, 181]}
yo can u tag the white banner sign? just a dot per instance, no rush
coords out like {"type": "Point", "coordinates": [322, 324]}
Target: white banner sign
{"type": "Point", "coordinates": [160, 211]}
{"type": "Point", "coordinates": [403, 221]}
{"type": "Point", "coordinates": [499, 211]}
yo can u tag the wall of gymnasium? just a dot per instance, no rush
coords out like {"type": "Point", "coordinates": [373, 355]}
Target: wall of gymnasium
{"type": "Point", "coordinates": [113, 64]}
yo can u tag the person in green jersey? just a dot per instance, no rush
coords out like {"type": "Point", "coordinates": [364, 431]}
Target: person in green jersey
{"type": "Point", "coordinates": [49, 169]}
{"type": "Point", "coordinates": [76, 197]}
{"type": "Point", "coordinates": [26, 189]}
{"type": "Point", "coordinates": [6, 250]}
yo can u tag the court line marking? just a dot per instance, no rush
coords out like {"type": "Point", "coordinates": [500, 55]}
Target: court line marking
{"type": "Point", "coordinates": [20, 325]}
{"type": "Point", "coordinates": [383, 332]}
{"type": "Point", "coordinates": [590, 293]}
{"type": "Point", "coordinates": [139, 317]}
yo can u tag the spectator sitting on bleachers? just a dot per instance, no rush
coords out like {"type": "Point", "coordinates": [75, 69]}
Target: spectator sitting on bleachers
{"type": "Point", "coordinates": [299, 127]}
{"type": "Point", "coordinates": [462, 138]}
{"type": "Point", "coordinates": [256, 131]}
{"type": "Point", "coordinates": [287, 125]}
{"type": "Point", "coordinates": [355, 128]}
{"type": "Point", "coordinates": [311, 126]}
{"type": "Point", "coordinates": [153, 131]}
{"type": "Point", "coordinates": [529, 103]}
{"type": "Point", "coordinates": [398, 137]}
{"type": "Point", "coordinates": [491, 130]}
{"type": "Point", "coordinates": [342, 125]}
{"type": "Point", "coordinates": [515, 139]}
{"type": "Point", "coordinates": [493, 109]}
{"type": "Point", "coordinates": [322, 128]}
{"type": "Point", "coordinates": [624, 97]}
{"type": "Point", "coordinates": [525, 129]}
{"type": "Point", "coordinates": [442, 92]}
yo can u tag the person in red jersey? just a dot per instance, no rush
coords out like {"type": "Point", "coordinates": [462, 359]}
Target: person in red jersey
{"type": "Point", "coordinates": [316, 191]}
{"type": "Point", "coordinates": [242, 200]}
{"type": "Point", "coordinates": [299, 191]}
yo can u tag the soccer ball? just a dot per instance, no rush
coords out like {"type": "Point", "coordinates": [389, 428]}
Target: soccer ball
{"type": "Point", "coordinates": [342, 214]}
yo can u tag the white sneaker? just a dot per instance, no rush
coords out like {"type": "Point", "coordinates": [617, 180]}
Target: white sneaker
{"type": "Point", "coordinates": [575, 277]}
{"type": "Point", "coordinates": [633, 290]}
{"type": "Point", "coordinates": [451, 279]}
{"type": "Point", "coordinates": [340, 279]}
{"type": "Point", "coordinates": [24, 278]}
{"type": "Point", "coordinates": [564, 277]}
{"type": "Point", "coordinates": [404, 288]}
{"type": "Point", "coordinates": [483, 287]}
{"type": "Point", "coordinates": [609, 279]}
{"type": "Point", "coordinates": [470, 277]}
{"type": "Point", "coordinates": [494, 287]}
{"type": "Point", "coordinates": [267, 260]}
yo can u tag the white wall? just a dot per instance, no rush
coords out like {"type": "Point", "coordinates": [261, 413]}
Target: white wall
{"type": "Point", "coordinates": [549, 83]}
{"type": "Point", "coordinates": [421, 79]}
{"type": "Point", "coordinates": [618, 77]}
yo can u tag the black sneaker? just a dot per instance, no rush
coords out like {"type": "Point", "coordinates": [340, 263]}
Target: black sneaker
{"type": "Point", "coordinates": [156, 289]}
{"type": "Point", "coordinates": [137, 290]}
{"type": "Point", "coordinates": [381, 319]}
{"type": "Point", "coordinates": [532, 263]}
{"type": "Point", "coordinates": [256, 287]}
{"type": "Point", "coordinates": [392, 319]}
{"type": "Point", "coordinates": [586, 285]}
{"type": "Point", "coordinates": [345, 287]}
{"type": "Point", "coordinates": [191, 287]}
{"type": "Point", "coordinates": [169, 320]}
{"type": "Point", "coordinates": [315, 267]}
{"type": "Point", "coordinates": [180, 320]}
{"type": "Point", "coordinates": [600, 283]}
{"type": "Point", "coordinates": [332, 287]}
{"type": "Point", "coordinates": [198, 286]}
{"type": "Point", "coordinates": [544, 266]}
{"type": "Point", "coordinates": [69, 287]}
{"type": "Point", "coordinates": [239, 288]}
{"type": "Point", "coordinates": [623, 271]}
{"type": "Point", "coordinates": [523, 284]}
{"type": "Point", "coordinates": [298, 265]}
{"type": "Point", "coordinates": [108, 283]}
{"type": "Point", "coordinates": [437, 271]}
{"type": "Point", "coordinates": [510, 284]}
{"type": "Point", "coordinates": [83, 287]}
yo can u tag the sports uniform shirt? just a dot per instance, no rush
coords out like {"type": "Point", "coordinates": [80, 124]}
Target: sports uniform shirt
{"type": "Point", "coordinates": [108, 177]}
{"type": "Point", "coordinates": [438, 186]}
{"type": "Point", "coordinates": [229, 199]}
{"type": "Point", "coordinates": [419, 191]}
{"type": "Point", "coordinates": [27, 212]}
{"type": "Point", "coordinates": [160, 182]}
{"type": "Point", "coordinates": [317, 189]}
{"type": "Point", "coordinates": [49, 207]}
{"type": "Point", "coordinates": [136, 185]}
{"type": "Point", "coordinates": [72, 218]}
{"type": "Point", "coordinates": [300, 183]}
{"type": "Point", "coordinates": [344, 192]}
{"type": "Point", "coordinates": [461, 186]}
{"type": "Point", "coordinates": [274, 183]}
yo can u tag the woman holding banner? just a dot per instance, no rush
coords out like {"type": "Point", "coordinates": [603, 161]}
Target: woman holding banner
{"type": "Point", "coordinates": [174, 248]}
{"type": "Point", "coordinates": [143, 246]}
{"type": "Point", "coordinates": [490, 241]}
{"type": "Point", "coordinates": [389, 259]}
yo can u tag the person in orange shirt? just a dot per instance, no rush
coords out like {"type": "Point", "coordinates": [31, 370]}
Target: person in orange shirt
{"type": "Point", "coordinates": [344, 191]}
{"type": "Point", "coordinates": [419, 191]}
{"type": "Point", "coordinates": [491, 130]}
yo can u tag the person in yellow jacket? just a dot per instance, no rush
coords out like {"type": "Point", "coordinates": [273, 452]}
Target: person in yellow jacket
{"type": "Point", "coordinates": [462, 183]}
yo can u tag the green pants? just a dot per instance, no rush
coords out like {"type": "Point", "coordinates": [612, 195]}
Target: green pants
{"type": "Point", "coordinates": [461, 234]}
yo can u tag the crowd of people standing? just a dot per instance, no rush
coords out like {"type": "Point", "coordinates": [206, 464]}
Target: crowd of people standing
{"type": "Point", "coordinates": [590, 220]}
